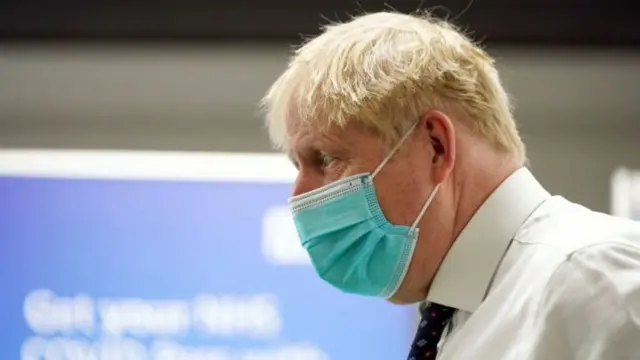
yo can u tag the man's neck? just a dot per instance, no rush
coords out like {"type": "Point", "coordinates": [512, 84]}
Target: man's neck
{"type": "Point", "coordinates": [476, 183]}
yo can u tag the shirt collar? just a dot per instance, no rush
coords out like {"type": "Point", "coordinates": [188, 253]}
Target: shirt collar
{"type": "Point", "coordinates": [464, 277]}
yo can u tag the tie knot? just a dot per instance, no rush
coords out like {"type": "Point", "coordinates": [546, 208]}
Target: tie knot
{"type": "Point", "coordinates": [435, 318]}
{"type": "Point", "coordinates": [433, 310]}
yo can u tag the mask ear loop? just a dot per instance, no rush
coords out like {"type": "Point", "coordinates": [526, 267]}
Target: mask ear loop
{"type": "Point", "coordinates": [386, 160]}
{"type": "Point", "coordinates": [394, 150]}
{"type": "Point", "coordinates": [425, 206]}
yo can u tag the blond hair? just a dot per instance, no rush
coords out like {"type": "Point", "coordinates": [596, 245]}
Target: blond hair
{"type": "Point", "coordinates": [385, 70]}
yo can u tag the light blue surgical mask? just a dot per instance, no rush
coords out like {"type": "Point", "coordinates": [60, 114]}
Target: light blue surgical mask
{"type": "Point", "coordinates": [351, 244]}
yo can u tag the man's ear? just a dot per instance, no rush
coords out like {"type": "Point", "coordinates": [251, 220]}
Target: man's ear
{"type": "Point", "coordinates": [440, 130]}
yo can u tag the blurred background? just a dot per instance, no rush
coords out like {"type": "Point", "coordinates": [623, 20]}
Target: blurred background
{"type": "Point", "coordinates": [156, 98]}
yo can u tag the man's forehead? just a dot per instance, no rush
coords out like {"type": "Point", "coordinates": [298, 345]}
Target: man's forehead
{"type": "Point", "coordinates": [306, 138]}
{"type": "Point", "coordinates": [323, 129]}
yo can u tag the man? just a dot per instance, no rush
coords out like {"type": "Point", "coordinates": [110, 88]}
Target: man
{"type": "Point", "coordinates": [399, 123]}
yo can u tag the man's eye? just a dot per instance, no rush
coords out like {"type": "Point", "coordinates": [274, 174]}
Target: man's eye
{"type": "Point", "coordinates": [326, 160]}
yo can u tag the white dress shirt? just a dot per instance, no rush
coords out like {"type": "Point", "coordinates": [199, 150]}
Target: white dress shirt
{"type": "Point", "coordinates": [536, 277]}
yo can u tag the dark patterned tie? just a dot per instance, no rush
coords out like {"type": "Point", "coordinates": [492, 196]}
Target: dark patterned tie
{"type": "Point", "coordinates": [435, 318]}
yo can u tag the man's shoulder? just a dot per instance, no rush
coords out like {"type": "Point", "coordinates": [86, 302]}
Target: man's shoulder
{"type": "Point", "coordinates": [565, 228]}
{"type": "Point", "coordinates": [599, 257]}
{"type": "Point", "coordinates": [571, 251]}
{"type": "Point", "coordinates": [607, 265]}
{"type": "Point", "coordinates": [591, 300]}
{"type": "Point", "coordinates": [570, 282]}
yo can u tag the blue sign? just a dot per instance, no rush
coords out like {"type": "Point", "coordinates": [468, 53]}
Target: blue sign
{"type": "Point", "coordinates": [170, 269]}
